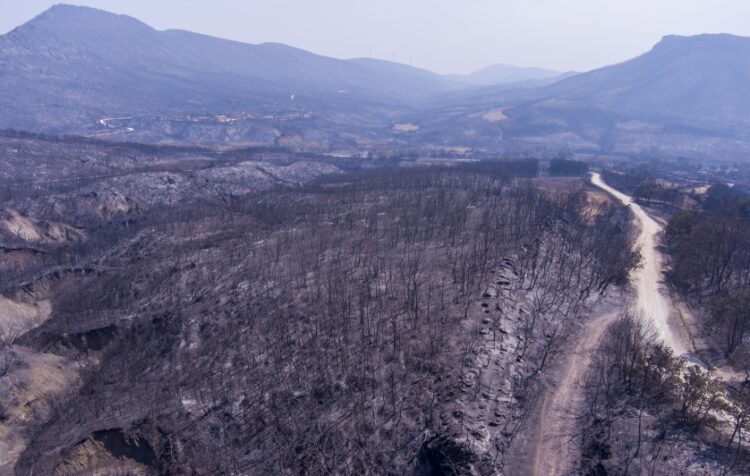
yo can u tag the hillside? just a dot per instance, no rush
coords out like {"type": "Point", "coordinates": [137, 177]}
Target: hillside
{"type": "Point", "coordinates": [71, 66]}
{"type": "Point", "coordinates": [169, 310]}
{"type": "Point", "coordinates": [220, 258]}
{"type": "Point", "coordinates": [701, 78]}
{"type": "Point", "coordinates": [686, 97]}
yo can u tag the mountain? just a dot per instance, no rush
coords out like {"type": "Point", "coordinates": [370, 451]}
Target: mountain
{"type": "Point", "coordinates": [702, 79]}
{"type": "Point", "coordinates": [71, 66]}
{"type": "Point", "coordinates": [687, 96]}
{"type": "Point", "coordinates": [506, 74]}
{"type": "Point", "coordinates": [77, 70]}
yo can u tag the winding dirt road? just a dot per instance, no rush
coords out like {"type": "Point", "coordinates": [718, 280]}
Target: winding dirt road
{"type": "Point", "coordinates": [112, 130]}
{"type": "Point", "coordinates": [651, 303]}
{"type": "Point", "coordinates": [555, 453]}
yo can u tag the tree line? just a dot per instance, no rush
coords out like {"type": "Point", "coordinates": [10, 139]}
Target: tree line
{"type": "Point", "coordinates": [710, 248]}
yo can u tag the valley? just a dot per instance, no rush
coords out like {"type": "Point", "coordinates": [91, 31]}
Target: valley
{"type": "Point", "coordinates": [229, 258]}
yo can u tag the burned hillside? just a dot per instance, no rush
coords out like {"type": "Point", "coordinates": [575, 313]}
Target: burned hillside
{"type": "Point", "coordinates": [365, 320]}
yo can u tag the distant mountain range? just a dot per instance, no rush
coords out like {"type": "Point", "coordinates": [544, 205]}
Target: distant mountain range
{"type": "Point", "coordinates": [78, 70]}
{"type": "Point", "coordinates": [507, 74]}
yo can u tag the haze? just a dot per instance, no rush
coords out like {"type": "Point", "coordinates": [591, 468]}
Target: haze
{"type": "Point", "coordinates": [445, 36]}
{"type": "Point", "coordinates": [230, 243]}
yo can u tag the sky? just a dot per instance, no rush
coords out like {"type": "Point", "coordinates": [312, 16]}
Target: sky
{"type": "Point", "coordinates": [446, 36]}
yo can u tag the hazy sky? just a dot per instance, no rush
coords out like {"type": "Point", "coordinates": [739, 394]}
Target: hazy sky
{"type": "Point", "coordinates": [448, 36]}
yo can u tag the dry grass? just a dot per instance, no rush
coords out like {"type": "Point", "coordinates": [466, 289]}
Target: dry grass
{"type": "Point", "coordinates": [406, 127]}
{"type": "Point", "coordinates": [18, 225]}
{"type": "Point", "coordinates": [495, 115]}
{"type": "Point", "coordinates": [16, 318]}
{"type": "Point", "coordinates": [93, 457]}
{"type": "Point", "coordinates": [596, 201]}
{"type": "Point", "coordinates": [24, 228]}
{"type": "Point", "coordinates": [33, 380]}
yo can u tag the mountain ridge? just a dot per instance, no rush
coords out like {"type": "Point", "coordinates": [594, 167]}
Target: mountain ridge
{"type": "Point", "coordinates": [681, 76]}
{"type": "Point", "coordinates": [69, 67]}
{"type": "Point", "coordinates": [505, 74]}
{"type": "Point", "coordinates": [65, 55]}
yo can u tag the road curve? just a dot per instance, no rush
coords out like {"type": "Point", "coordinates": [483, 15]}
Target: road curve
{"type": "Point", "coordinates": [554, 455]}
{"type": "Point", "coordinates": [651, 303]}
{"type": "Point", "coordinates": [112, 130]}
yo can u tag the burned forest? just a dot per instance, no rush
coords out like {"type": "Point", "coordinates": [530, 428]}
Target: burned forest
{"type": "Point", "coordinates": [308, 256]}
{"type": "Point", "coordinates": [399, 318]}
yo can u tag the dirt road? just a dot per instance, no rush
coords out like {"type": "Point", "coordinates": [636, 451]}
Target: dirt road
{"type": "Point", "coordinates": [555, 447]}
{"type": "Point", "coordinates": [554, 453]}
{"type": "Point", "coordinates": [651, 301]}
{"type": "Point", "coordinates": [111, 130]}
